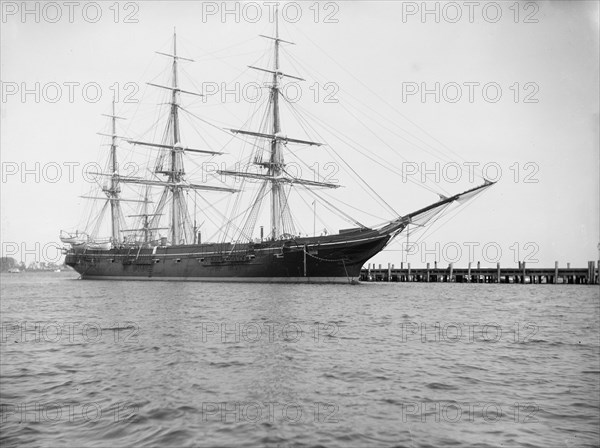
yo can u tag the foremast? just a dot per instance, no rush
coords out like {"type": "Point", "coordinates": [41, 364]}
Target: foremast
{"type": "Point", "coordinates": [177, 172]}
{"type": "Point", "coordinates": [276, 175]}
{"type": "Point", "coordinates": [276, 160]}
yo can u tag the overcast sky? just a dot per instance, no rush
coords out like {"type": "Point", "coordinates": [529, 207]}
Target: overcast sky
{"type": "Point", "coordinates": [527, 75]}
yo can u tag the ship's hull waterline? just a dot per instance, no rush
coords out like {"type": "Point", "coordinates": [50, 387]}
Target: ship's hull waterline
{"type": "Point", "coordinates": [333, 259]}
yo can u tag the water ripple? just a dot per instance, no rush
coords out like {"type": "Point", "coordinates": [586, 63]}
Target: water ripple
{"type": "Point", "coordinates": [202, 365]}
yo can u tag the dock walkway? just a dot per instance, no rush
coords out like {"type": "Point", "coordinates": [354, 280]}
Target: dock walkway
{"type": "Point", "coordinates": [477, 274]}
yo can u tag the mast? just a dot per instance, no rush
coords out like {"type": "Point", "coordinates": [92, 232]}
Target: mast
{"type": "Point", "coordinates": [276, 175]}
{"type": "Point", "coordinates": [114, 205]}
{"type": "Point", "coordinates": [276, 164]}
{"type": "Point", "coordinates": [113, 191]}
{"type": "Point", "coordinates": [176, 173]}
{"type": "Point", "coordinates": [175, 182]}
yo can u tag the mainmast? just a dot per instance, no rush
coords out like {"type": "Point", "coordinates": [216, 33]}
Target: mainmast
{"type": "Point", "coordinates": [175, 182]}
{"type": "Point", "coordinates": [113, 191]}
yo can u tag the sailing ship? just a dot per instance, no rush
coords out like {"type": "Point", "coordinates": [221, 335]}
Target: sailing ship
{"type": "Point", "coordinates": [175, 251]}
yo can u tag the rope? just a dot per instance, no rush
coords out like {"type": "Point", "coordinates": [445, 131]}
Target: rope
{"type": "Point", "coordinates": [346, 270]}
{"type": "Point", "coordinates": [324, 259]}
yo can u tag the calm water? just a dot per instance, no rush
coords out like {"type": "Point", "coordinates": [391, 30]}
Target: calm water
{"type": "Point", "coordinates": [88, 363]}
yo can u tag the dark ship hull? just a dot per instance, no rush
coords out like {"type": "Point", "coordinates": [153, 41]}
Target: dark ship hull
{"type": "Point", "coordinates": [325, 259]}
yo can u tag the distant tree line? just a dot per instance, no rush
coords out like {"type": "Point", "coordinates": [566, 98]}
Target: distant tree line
{"type": "Point", "coordinates": [7, 263]}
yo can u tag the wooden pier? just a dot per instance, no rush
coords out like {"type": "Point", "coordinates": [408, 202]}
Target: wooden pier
{"type": "Point", "coordinates": [476, 274]}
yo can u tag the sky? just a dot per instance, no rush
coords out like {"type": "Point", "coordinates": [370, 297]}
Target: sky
{"type": "Point", "coordinates": [507, 87]}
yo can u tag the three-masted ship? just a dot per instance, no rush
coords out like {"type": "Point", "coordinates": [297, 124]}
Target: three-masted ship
{"type": "Point", "coordinates": [149, 251]}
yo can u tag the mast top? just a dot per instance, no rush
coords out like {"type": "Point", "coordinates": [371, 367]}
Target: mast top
{"type": "Point", "coordinates": [174, 55]}
{"type": "Point", "coordinates": [276, 21]}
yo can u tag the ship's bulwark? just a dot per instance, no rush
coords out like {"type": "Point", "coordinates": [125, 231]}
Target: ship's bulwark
{"type": "Point", "coordinates": [330, 259]}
